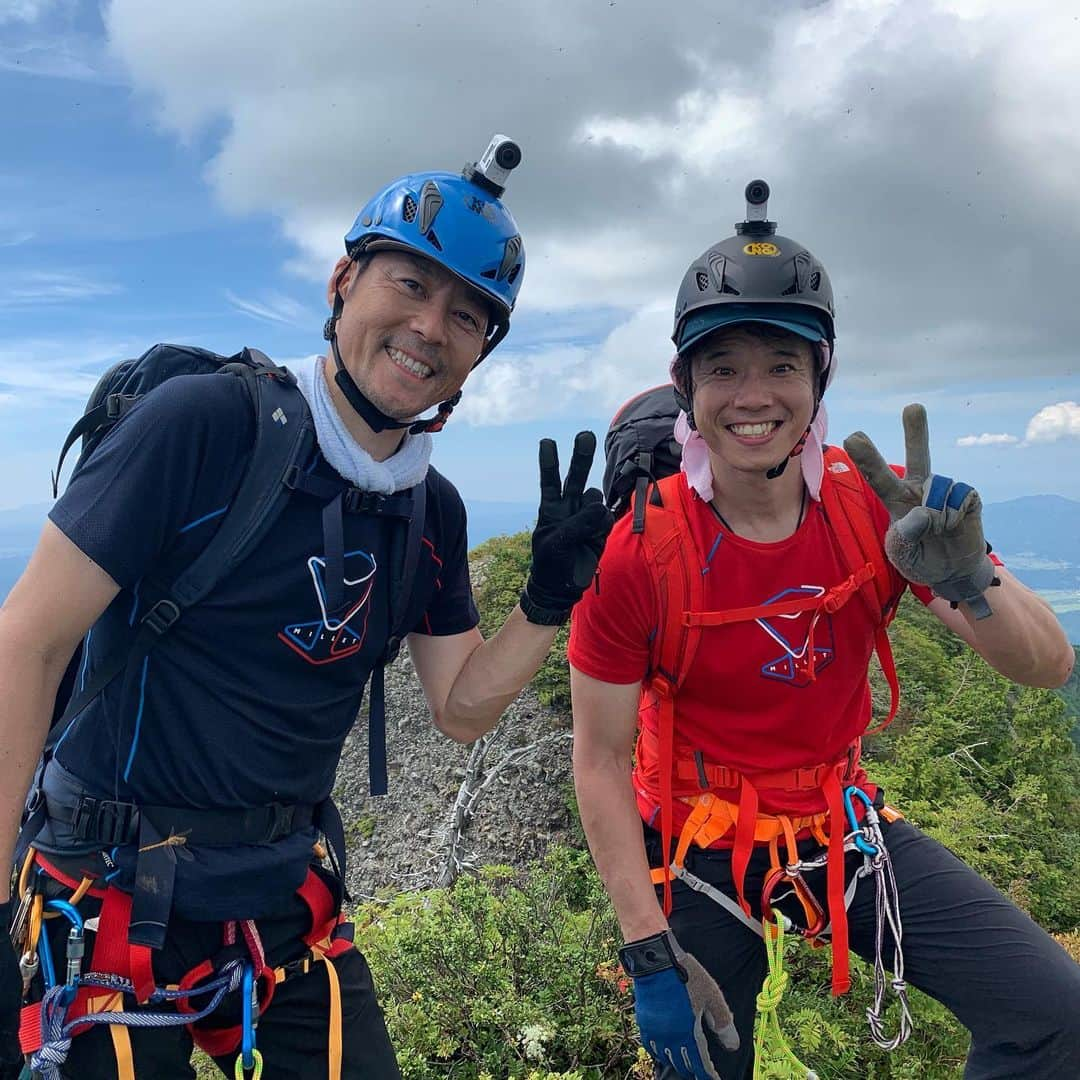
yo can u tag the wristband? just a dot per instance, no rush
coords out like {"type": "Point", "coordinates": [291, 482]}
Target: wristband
{"type": "Point", "coordinates": [650, 955]}
{"type": "Point", "coordinates": [542, 616]}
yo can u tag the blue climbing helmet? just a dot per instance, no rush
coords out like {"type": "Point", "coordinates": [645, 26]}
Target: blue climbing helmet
{"type": "Point", "coordinates": [458, 221]}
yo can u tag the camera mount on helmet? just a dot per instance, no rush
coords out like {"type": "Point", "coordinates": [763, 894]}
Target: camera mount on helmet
{"type": "Point", "coordinates": [491, 172]}
{"type": "Point", "coordinates": [757, 211]}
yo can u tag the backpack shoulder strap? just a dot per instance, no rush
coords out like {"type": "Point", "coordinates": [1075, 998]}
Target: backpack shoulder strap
{"type": "Point", "coordinates": [678, 587]}
{"type": "Point", "coordinates": [284, 435]}
{"type": "Point", "coordinates": [846, 502]}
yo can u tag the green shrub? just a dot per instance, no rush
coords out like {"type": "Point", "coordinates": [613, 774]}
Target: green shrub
{"type": "Point", "coordinates": [504, 974]}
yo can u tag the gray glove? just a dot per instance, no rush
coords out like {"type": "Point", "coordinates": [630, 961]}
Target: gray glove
{"type": "Point", "coordinates": [936, 536]}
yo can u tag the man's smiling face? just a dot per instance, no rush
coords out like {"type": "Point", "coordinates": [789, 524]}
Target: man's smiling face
{"type": "Point", "coordinates": [753, 395]}
{"type": "Point", "coordinates": [410, 331]}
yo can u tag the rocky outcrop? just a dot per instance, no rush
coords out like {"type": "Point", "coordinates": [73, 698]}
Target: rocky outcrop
{"type": "Point", "coordinates": [402, 840]}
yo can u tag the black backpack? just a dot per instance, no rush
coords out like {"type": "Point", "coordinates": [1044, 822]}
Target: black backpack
{"type": "Point", "coordinates": [284, 443]}
{"type": "Point", "coordinates": [640, 448]}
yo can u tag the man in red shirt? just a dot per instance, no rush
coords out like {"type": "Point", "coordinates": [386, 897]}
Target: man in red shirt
{"type": "Point", "coordinates": [767, 722]}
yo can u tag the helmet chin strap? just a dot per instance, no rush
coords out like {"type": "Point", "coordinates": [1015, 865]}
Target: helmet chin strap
{"type": "Point", "coordinates": [368, 411]}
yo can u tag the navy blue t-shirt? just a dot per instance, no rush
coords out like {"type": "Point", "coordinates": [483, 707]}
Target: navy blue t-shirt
{"type": "Point", "coordinates": [248, 699]}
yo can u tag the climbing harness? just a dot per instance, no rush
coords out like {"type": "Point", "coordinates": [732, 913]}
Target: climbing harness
{"type": "Point", "coordinates": [788, 881]}
{"type": "Point", "coordinates": [83, 998]}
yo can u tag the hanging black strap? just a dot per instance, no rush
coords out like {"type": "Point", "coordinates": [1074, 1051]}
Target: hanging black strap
{"type": "Point", "coordinates": [400, 607]}
{"type": "Point", "coordinates": [108, 412]}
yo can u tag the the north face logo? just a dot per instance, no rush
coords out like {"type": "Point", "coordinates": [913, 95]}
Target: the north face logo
{"type": "Point", "coordinates": [839, 466]}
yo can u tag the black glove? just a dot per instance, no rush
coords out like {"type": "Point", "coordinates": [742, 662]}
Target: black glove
{"type": "Point", "coordinates": [11, 1059]}
{"type": "Point", "coordinates": [571, 528]}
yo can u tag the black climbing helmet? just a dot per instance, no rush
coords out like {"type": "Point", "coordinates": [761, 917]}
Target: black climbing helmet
{"type": "Point", "coordinates": [754, 276]}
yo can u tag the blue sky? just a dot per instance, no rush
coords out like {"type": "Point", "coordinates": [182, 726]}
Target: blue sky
{"type": "Point", "coordinates": [186, 175]}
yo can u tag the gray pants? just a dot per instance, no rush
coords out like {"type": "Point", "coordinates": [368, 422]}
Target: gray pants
{"type": "Point", "coordinates": [1006, 980]}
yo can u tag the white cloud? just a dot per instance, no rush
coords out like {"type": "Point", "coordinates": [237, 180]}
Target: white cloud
{"type": "Point", "coordinates": [24, 11]}
{"type": "Point", "coordinates": [1055, 422]}
{"type": "Point", "coordinates": [56, 372]}
{"type": "Point", "coordinates": [571, 379]}
{"type": "Point", "coordinates": [640, 131]}
{"type": "Point", "coordinates": [52, 287]}
{"type": "Point", "coordinates": [987, 439]}
{"type": "Point", "coordinates": [275, 308]}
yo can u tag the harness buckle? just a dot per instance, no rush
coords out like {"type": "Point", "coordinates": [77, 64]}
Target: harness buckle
{"type": "Point", "coordinates": [103, 820]}
{"type": "Point", "coordinates": [281, 822]}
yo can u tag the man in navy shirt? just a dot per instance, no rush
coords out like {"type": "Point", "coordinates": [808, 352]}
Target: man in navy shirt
{"type": "Point", "coordinates": [245, 704]}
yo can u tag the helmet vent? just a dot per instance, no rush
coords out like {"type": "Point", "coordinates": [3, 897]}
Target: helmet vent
{"type": "Point", "coordinates": [489, 274]}
{"type": "Point", "coordinates": [431, 202]}
{"type": "Point", "coordinates": [511, 258]}
{"type": "Point", "coordinates": [815, 280]}
{"type": "Point", "coordinates": [409, 210]}
{"type": "Point", "coordinates": [433, 240]}
{"type": "Point", "coordinates": [730, 289]}
{"type": "Point", "coordinates": [513, 273]}
{"type": "Point", "coordinates": [702, 281]}
{"type": "Point", "coordinates": [791, 290]}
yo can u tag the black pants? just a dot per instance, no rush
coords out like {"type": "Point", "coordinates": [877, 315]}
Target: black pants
{"type": "Point", "coordinates": [292, 1034]}
{"type": "Point", "coordinates": [1005, 979]}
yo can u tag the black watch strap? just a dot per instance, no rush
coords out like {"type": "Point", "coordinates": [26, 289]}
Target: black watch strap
{"type": "Point", "coordinates": [542, 616]}
{"type": "Point", "coordinates": [648, 956]}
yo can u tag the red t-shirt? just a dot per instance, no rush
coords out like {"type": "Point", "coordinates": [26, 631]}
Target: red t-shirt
{"type": "Point", "coordinates": [749, 702]}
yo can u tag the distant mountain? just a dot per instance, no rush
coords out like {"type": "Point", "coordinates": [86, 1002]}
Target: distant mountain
{"type": "Point", "coordinates": [1038, 536]}
{"type": "Point", "coordinates": [1044, 527]}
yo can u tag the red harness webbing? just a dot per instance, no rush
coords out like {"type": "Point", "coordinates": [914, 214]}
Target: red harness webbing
{"type": "Point", "coordinates": [667, 544]}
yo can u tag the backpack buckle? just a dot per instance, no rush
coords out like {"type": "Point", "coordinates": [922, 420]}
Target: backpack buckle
{"type": "Point", "coordinates": [393, 647]}
{"type": "Point", "coordinates": [161, 616]}
{"type": "Point", "coordinates": [116, 405]}
{"type": "Point", "coordinates": [358, 501]}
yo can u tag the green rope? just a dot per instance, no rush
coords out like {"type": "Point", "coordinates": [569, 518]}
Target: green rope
{"type": "Point", "coordinates": [240, 1072]}
{"type": "Point", "coordinates": [773, 1058]}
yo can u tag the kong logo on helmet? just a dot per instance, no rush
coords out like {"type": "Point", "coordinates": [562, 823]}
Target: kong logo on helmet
{"type": "Point", "coordinates": [760, 248]}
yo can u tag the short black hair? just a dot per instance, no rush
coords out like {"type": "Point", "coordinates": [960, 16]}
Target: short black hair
{"type": "Point", "coordinates": [761, 330]}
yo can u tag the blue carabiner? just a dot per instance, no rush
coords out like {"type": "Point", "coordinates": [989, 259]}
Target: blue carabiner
{"type": "Point", "coordinates": [68, 910]}
{"type": "Point", "coordinates": [861, 842]}
{"type": "Point", "coordinates": [247, 1043]}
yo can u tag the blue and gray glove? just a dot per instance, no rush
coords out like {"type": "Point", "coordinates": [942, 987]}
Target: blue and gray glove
{"type": "Point", "coordinates": [676, 1000]}
{"type": "Point", "coordinates": [936, 535]}
{"type": "Point", "coordinates": [11, 1059]}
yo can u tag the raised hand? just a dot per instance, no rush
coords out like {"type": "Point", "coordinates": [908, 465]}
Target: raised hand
{"type": "Point", "coordinates": [572, 526]}
{"type": "Point", "coordinates": [936, 535]}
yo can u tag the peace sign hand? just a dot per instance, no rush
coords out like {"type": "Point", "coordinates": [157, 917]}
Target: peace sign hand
{"type": "Point", "coordinates": [936, 536]}
{"type": "Point", "coordinates": [572, 526]}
